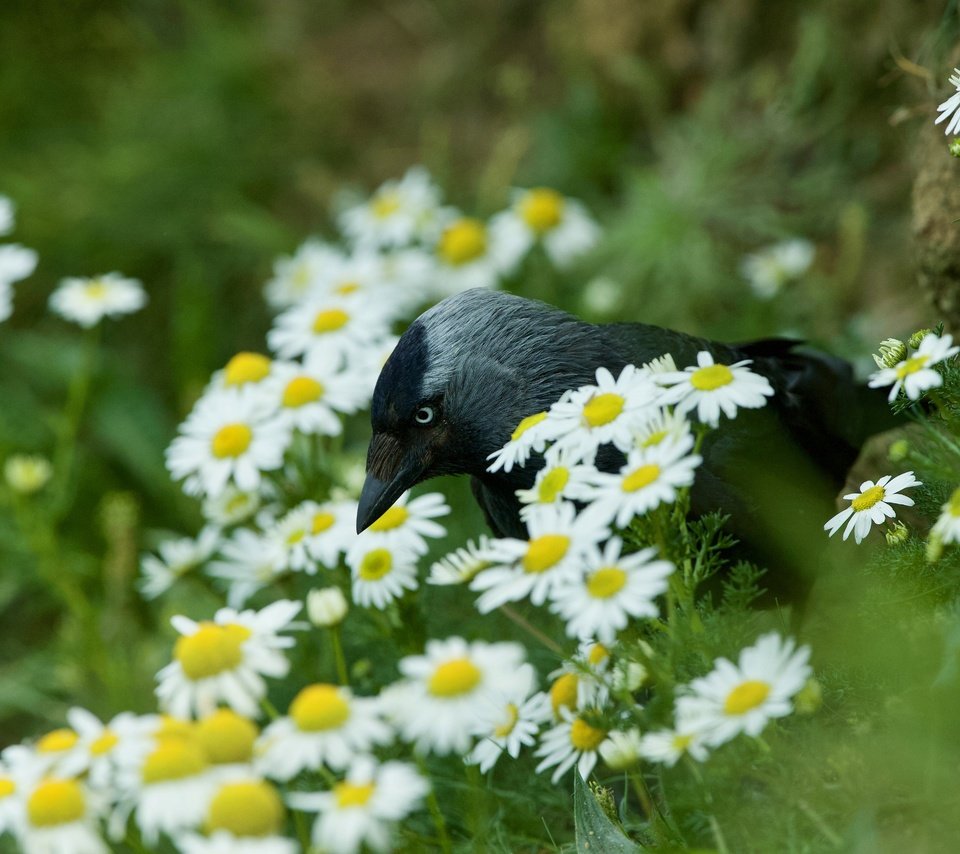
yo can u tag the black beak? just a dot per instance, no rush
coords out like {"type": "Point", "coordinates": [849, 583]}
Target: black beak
{"type": "Point", "coordinates": [378, 494]}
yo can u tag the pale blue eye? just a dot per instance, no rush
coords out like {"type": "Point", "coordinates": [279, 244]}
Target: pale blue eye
{"type": "Point", "coordinates": [424, 415]}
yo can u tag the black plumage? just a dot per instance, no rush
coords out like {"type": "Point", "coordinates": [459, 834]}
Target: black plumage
{"type": "Point", "coordinates": [469, 369]}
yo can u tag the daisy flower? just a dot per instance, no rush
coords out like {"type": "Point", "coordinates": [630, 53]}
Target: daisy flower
{"type": "Point", "coordinates": [769, 269]}
{"type": "Point", "coordinates": [469, 255]}
{"type": "Point", "coordinates": [575, 740]}
{"type": "Point", "coordinates": [243, 369]}
{"type": "Point", "coordinates": [228, 437]}
{"type": "Point", "coordinates": [16, 263]}
{"type": "Point", "coordinates": [225, 660]}
{"type": "Point", "coordinates": [951, 107]}
{"type": "Point", "coordinates": [743, 697]}
{"type": "Point", "coordinates": [609, 411]}
{"type": "Point", "coordinates": [99, 744]}
{"type": "Point", "coordinates": [227, 740]}
{"type": "Point", "coordinates": [11, 800]}
{"type": "Point", "coordinates": [561, 225]}
{"type": "Point", "coordinates": [408, 523]}
{"type": "Point", "coordinates": [326, 607]}
{"type": "Point", "coordinates": [668, 746]}
{"type": "Point", "coordinates": [947, 526]}
{"type": "Point", "coordinates": [651, 476]}
{"type": "Point", "coordinates": [380, 574]}
{"type": "Point", "coordinates": [529, 437]}
{"type": "Point", "coordinates": [621, 749]}
{"type": "Point", "coordinates": [326, 725]}
{"type": "Point", "coordinates": [583, 680]}
{"type": "Point", "coordinates": [57, 751]}
{"type": "Point", "coordinates": [338, 326]}
{"type": "Point", "coordinates": [363, 808]}
{"type": "Point", "coordinates": [446, 691]}
{"type": "Point", "coordinates": [248, 562]}
{"type": "Point", "coordinates": [871, 505]}
{"type": "Point", "coordinates": [60, 814]}
{"type": "Point", "coordinates": [612, 589]}
{"type": "Point", "coordinates": [398, 213]}
{"type": "Point", "coordinates": [562, 478]}
{"type": "Point", "coordinates": [559, 538]}
{"type": "Point", "coordinates": [462, 564]}
{"type": "Point", "coordinates": [88, 301]}
{"type": "Point", "coordinates": [176, 558]}
{"type": "Point", "coordinates": [915, 374]}
{"type": "Point", "coordinates": [662, 425]}
{"type": "Point", "coordinates": [231, 506]}
{"type": "Point", "coordinates": [245, 816]}
{"type": "Point", "coordinates": [711, 388]}
{"type": "Point", "coordinates": [294, 278]}
{"type": "Point", "coordinates": [308, 534]}
{"type": "Point", "coordinates": [509, 725]}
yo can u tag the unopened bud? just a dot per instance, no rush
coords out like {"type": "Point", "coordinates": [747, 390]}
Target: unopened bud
{"type": "Point", "coordinates": [327, 607]}
{"type": "Point", "coordinates": [621, 750]}
{"type": "Point", "coordinates": [897, 534]}
{"type": "Point", "coordinates": [892, 351]}
{"type": "Point", "coordinates": [954, 147]}
{"type": "Point", "coordinates": [629, 676]}
{"type": "Point", "coordinates": [897, 452]}
{"type": "Point", "coordinates": [917, 337]}
{"type": "Point", "coordinates": [27, 474]}
{"type": "Point", "coordinates": [809, 697]}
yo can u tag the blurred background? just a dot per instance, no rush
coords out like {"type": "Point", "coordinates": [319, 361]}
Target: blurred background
{"type": "Point", "coordinates": [188, 144]}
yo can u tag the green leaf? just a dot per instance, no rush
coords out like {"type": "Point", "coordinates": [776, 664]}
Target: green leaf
{"type": "Point", "coordinates": [596, 833]}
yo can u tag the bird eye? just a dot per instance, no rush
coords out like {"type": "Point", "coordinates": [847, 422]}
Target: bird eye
{"type": "Point", "coordinates": [424, 416]}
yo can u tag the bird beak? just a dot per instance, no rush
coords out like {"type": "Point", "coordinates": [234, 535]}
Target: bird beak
{"type": "Point", "coordinates": [385, 481]}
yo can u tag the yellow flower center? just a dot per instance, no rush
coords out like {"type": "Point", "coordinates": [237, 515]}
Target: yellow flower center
{"type": "Point", "coordinates": [56, 802]}
{"type": "Point", "coordinates": [295, 536]}
{"type": "Point", "coordinates": [542, 209]}
{"type": "Point", "coordinates": [57, 741]}
{"type": "Point", "coordinates": [545, 552]}
{"type": "Point", "coordinates": [301, 277]}
{"type": "Point", "coordinates": [454, 677]}
{"type": "Point", "coordinates": [552, 484]}
{"type": "Point", "coordinates": [375, 565]}
{"type": "Point", "coordinates": [563, 693]}
{"type": "Point", "coordinates": [104, 743]}
{"type": "Point", "coordinates": [96, 289]}
{"type": "Point", "coordinates": [598, 654]}
{"type": "Point", "coordinates": [746, 696]}
{"type": "Point", "coordinates": [393, 518]}
{"type": "Point", "coordinates": [911, 366]}
{"type": "Point", "coordinates": [513, 715]}
{"type": "Point", "coordinates": [711, 377]}
{"type": "Point", "coordinates": [226, 737]}
{"type": "Point", "coordinates": [7, 787]}
{"type": "Point", "coordinates": [585, 737]}
{"type": "Point", "coordinates": [300, 391]}
{"type": "Point", "coordinates": [352, 794]}
{"type": "Point", "coordinates": [602, 409]}
{"type": "Point", "coordinates": [330, 320]}
{"type": "Point", "coordinates": [246, 368]}
{"type": "Point", "coordinates": [606, 582]}
{"type": "Point", "coordinates": [526, 424]}
{"type": "Point", "coordinates": [347, 288]}
{"type": "Point", "coordinates": [654, 439]}
{"type": "Point", "coordinates": [954, 507]}
{"type": "Point", "coordinates": [868, 498]}
{"type": "Point", "coordinates": [231, 440]}
{"type": "Point", "coordinates": [463, 242]}
{"type": "Point", "coordinates": [641, 477]}
{"type": "Point", "coordinates": [319, 707]}
{"type": "Point", "coordinates": [385, 203]}
{"type": "Point", "coordinates": [322, 522]}
{"type": "Point", "coordinates": [681, 742]}
{"type": "Point", "coordinates": [248, 808]}
{"type": "Point", "coordinates": [211, 649]}
{"type": "Point", "coordinates": [173, 759]}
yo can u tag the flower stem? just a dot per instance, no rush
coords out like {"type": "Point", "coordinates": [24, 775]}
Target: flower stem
{"type": "Point", "coordinates": [340, 660]}
{"type": "Point", "coordinates": [439, 822]}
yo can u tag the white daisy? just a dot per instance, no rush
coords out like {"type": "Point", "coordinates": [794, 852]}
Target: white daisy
{"type": "Point", "coordinates": [326, 725]}
{"type": "Point", "coordinates": [743, 697]}
{"type": "Point", "coordinates": [337, 326]}
{"type": "Point", "coordinates": [60, 815]}
{"type": "Point", "coordinates": [227, 740]}
{"type": "Point", "coordinates": [562, 225]}
{"type": "Point", "coordinates": [408, 523]}
{"type": "Point", "coordinates": [951, 107]}
{"type": "Point", "coordinates": [332, 530]}
{"type": "Point", "coordinates": [225, 660]}
{"type": "Point", "coordinates": [409, 275]}
{"type": "Point", "coordinates": [609, 411]}
{"type": "Point", "coordinates": [559, 539]}
{"type": "Point", "coordinates": [461, 565]}
{"type": "Point", "coordinates": [651, 476]}
{"type": "Point", "coordinates": [364, 807]}
{"type": "Point", "coordinates": [871, 505]}
{"type": "Point", "coordinates": [290, 535]}
{"type": "Point", "coordinates": [612, 589]}
{"type": "Point", "coordinates": [380, 574]}
{"type": "Point", "coordinates": [248, 562]}
{"type": "Point", "coordinates": [583, 681]}
{"type": "Point", "coordinates": [947, 526]}
{"type": "Point", "coordinates": [915, 374]}
{"type": "Point", "coordinates": [529, 437]}
{"type": "Point", "coordinates": [711, 388]}
{"type": "Point", "coordinates": [562, 478]}
{"type": "Point", "coordinates": [230, 436]}
{"type": "Point", "coordinates": [574, 741]}
{"type": "Point", "coordinates": [11, 800]}
{"type": "Point", "coordinates": [244, 369]}
{"type": "Point", "coordinates": [327, 607]}
{"type": "Point", "coordinates": [295, 278]}
{"type": "Point", "coordinates": [769, 269]}
{"type": "Point", "coordinates": [231, 506]}
{"type": "Point", "coordinates": [16, 263]}
{"type": "Point", "coordinates": [469, 255]}
{"type": "Point", "coordinates": [667, 746]}
{"type": "Point", "coordinates": [663, 424]}
{"type": "Point", "coordinates": [447, 691]}
{"type": "Point", "coordinates": [621, 749]}
{"type": "Point", "coordinates": [88, 301]}
{"type": "Point", "coordinates": [98, 743]}
{"type": "Point", "coordinates": [398, 213]}
{"type": "Point", "coordinates": [176, 558]}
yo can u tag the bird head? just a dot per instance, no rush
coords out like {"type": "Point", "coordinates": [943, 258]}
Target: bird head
{"type": "Point", "coordinates": [460, 379]}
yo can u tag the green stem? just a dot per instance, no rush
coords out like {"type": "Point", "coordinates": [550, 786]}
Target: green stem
{"type": "Point", "coordinates": [439, 822]}
{"type": "Point", "coordinates": [270, 709]}
{"type": "Point", "coordinates": [303, 832]}
{"type": "Point", "coordinates": [338, 656]}
{"type": "Point", "coordinates": [524, 624]}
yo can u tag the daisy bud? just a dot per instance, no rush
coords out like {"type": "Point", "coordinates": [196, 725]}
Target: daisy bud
{"type": "Point", "coordinates": [809, 697]}
{"type": "Point", "coordinates": [954, 147]}
{"type": "Point", "coordinates": [898, 451]}
{"type": "Point", "coordinates": [917, 337]}
{"type": "Point", "coordinates": [934, 548]}
{"type": "Point", "coordinates": [27, 474]}
{"type": "Point", "coordinates": [605, 801]}
{"type": "Point", "coordinates": [892, 351]}
{"type": "Point", "coordinates": [897, 534]}
{"type": "Point", "coordinates": [327, 607]}
{"type": "Point", "coordinates": [621, 750]}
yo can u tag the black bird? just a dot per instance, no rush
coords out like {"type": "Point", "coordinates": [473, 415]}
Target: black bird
{"type": "Point", "coordinates": [469, 369]}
